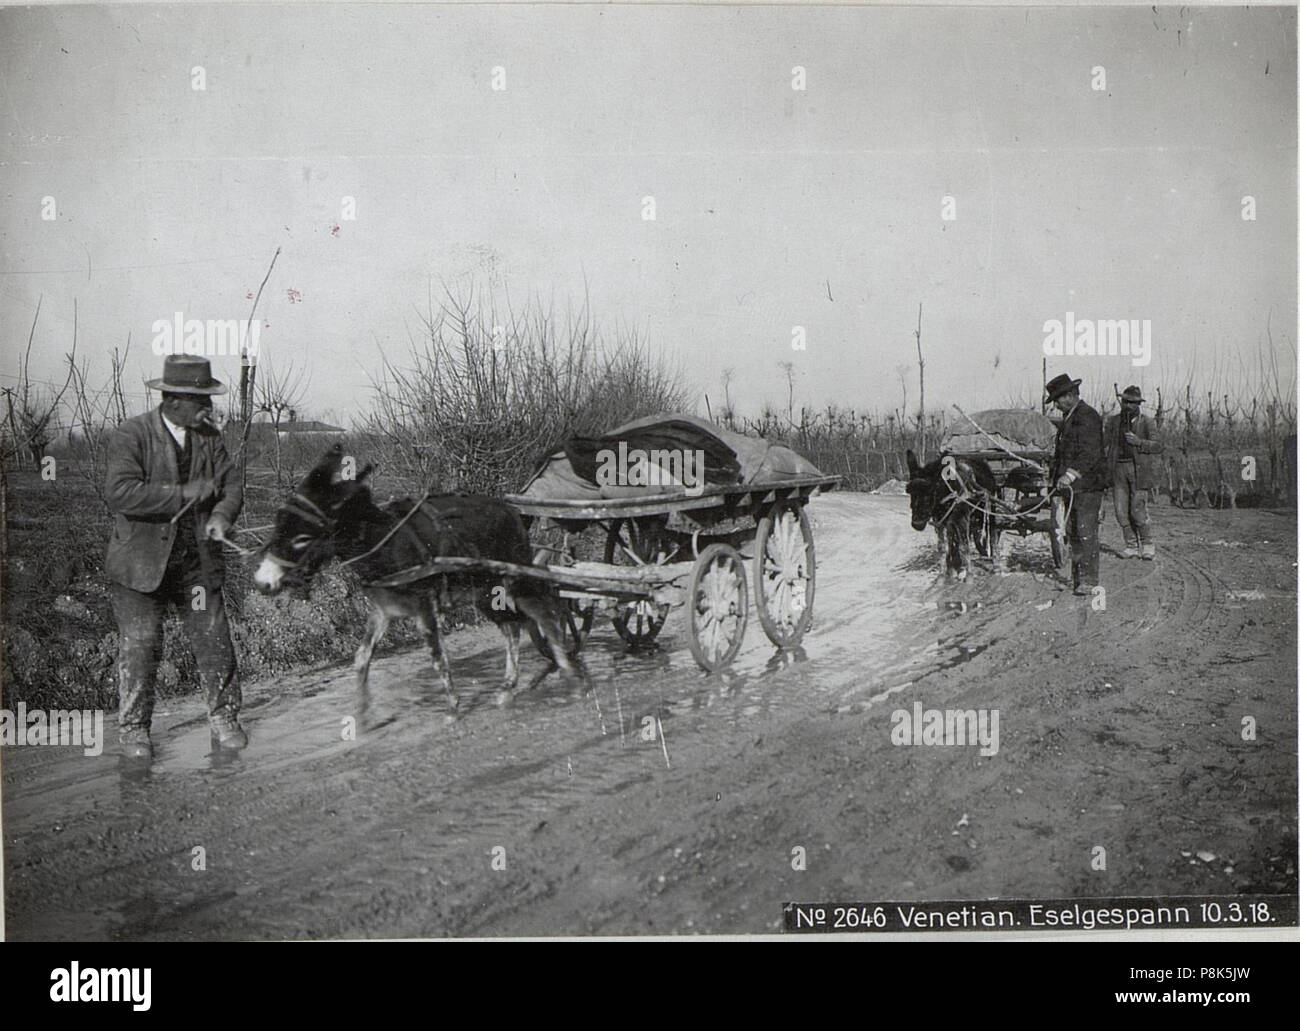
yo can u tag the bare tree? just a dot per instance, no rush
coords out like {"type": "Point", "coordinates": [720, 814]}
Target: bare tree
{"type": "Point", "coordinates": [728, 413]}
{"type": "Point", "coordinates": [30, 412]}
{"type": "Point", "coordinates": [276, 395]}
{"type": "Point", "coordinates": [29, 424]}
{"type": "Point", "coordinates": [788, 369]}
{"type": "Point", "coordinates": [94, 414]}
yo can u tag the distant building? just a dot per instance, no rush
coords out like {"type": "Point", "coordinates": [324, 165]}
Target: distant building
{"type": "Point", "coordinates": [294, 428]}
{"type": "Point", "coordinates": [309, 428]}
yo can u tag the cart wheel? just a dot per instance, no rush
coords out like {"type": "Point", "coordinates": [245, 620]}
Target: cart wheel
{"type": "Point", "coordinates": [629, 544]}
{"type": "Point", "coordinates": [577, 616]}
{"type": "Point", "coordinates": [785, 574]}
{"type": "Point", "coordinates": [1058, 534]}
{"type": "Point", "coordinates": [717, 606]}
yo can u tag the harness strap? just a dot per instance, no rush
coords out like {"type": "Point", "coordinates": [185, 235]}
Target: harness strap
{"type": "Point", "coordinates": [309, 511]}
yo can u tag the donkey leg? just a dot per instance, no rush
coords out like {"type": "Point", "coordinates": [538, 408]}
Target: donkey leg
{"type": "Point", "coordinates": [963, 548]}
{"type": "Point", "coordinates": [956, 561]}
{"type": "Point", "coordinates": [510, 631]}
{"type": "Point", "coordinates": [428, 620]}
{"type": "Point", "coordinates": [545, 613]}
{"type": "Point", "coordinates": [376, 625]}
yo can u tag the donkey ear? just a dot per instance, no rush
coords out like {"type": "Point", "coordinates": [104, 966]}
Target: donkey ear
{"type": "Point", "coordinates": [326, 471]}
{"type": "Point", "coordinates": [912, 467]}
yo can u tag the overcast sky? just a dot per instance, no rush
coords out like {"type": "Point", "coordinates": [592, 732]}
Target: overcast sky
{"type": "Point", "coordinates": [774, 207]}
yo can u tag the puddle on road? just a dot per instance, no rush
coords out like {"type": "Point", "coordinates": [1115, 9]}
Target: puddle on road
{"type": "Point", "coordinates": [879, 625]}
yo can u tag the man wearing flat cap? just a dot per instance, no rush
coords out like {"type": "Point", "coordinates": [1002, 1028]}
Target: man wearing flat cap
{"type": "Point", "coordinates": [1079, 466]}
{"type": "Point", "coordinates": [1131, 447]}
{"type": "Point", "coordinates": [171, 488]}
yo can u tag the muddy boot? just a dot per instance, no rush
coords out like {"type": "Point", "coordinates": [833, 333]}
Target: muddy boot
{"type": "Point", "coordinates": [135, 743]}
{"type": "Point", "coordinates": [1130, 545]}
{"type": "Point", "coordinates": [1147, 545]}
{"type": "Point", "coordinates": [135, 700]}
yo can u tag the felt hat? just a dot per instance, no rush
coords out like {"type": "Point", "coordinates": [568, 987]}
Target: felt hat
{"type": "Point", "coordinates": [187, 374]}
{"type": "Point", "coordinates": [1061, 384]}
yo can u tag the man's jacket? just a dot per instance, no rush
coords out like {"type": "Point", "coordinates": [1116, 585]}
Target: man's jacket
{"type": "Point", "coordinates": [144, 491]}
{"type": "Point", "coordinates": [1143, 453]}
{"type": "Point", "coordinates": [1079, 449]}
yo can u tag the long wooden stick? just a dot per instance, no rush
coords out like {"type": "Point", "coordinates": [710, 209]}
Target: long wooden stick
{"type": "Point", "coordinates": [920, 362]}
{"type": "Point", "coordinates": [247, 386]}
{"type": "Point", "coordinates": [589, 575]}
{"type": "Point", "coordinates": [221, 471]}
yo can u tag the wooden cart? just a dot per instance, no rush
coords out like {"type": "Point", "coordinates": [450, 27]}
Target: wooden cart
{"type": "Point", "coordinates": [682, 550]}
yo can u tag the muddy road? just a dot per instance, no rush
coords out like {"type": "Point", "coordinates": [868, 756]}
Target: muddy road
{"type": "Point", "coordinates": [1119, 727]}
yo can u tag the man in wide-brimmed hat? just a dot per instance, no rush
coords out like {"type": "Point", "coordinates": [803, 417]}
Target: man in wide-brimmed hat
{"type": "Point", "coordinates": [1079, 466]}
{"type": "Point", "coordinates": [171, 487]}
{"type": "Point", "coordinates": [1131, 447]}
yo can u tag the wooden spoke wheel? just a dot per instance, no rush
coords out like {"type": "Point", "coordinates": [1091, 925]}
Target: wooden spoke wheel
{"type": "Point", "coordinates": [785, 574]}
{"type": "Point", "coordinates": [576, 614]}
{"type": "Point", "coordinates": [630, 543]}
{"type": "Point", "coordinates": [717, 603]}
{"type": "Point", "coordinates": [576, 618]}
{"type": "Point", "coordinates": [1058, 534]}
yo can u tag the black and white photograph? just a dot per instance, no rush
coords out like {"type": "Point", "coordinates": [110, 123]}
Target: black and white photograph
{"type": "Point", "coordinates": [648, 470]}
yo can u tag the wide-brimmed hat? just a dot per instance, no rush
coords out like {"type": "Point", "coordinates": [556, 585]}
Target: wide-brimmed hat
{"type": "Point", "coordinates": [1132, 394]}
{"type": "Point", "coordinates": [187, 374]}
{"type": "Point", "coordinates": [1061, 384]}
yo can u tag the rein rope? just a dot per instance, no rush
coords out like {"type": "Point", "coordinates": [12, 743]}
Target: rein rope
{"type": "Point", "coordinates": [389, 535]}
{"type": "Point", "coordinates": [961, 494]}
{"type": "Point", "coordinates": [310, 512]}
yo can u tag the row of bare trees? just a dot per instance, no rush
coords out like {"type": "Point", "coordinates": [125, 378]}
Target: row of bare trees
{"type": "Point", "coordinates": [81, 412]}
{"type": "Point", "coordinates": [1239, 409]}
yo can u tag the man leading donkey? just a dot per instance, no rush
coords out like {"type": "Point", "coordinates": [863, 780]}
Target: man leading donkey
{"type": "Point", "coordinates": [170, 487]}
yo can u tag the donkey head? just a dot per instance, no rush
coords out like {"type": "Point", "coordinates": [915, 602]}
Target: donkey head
{"type": "Point", "coordinates": [324, 510]}
{"type": "Point", "coordinates": [925, 488]}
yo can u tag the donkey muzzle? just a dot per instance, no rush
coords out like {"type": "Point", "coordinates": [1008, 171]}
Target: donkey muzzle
{"type": "Point", "coordinates": [269, 576]}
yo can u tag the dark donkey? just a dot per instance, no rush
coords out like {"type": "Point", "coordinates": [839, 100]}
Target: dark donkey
{"type": "Point", "coordinates": [330, 516]}
{"type": "Point", "coordinates": [954, 495]}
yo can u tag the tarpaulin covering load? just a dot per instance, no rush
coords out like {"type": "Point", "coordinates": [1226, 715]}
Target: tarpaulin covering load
{"type": "Point", "coordinates": [729, 458]}
{"type": "Point", "coordinates": [1016, 429]}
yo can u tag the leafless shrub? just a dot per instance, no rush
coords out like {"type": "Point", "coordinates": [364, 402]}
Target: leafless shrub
{"type": "Point", "coordinates": [488, 388]}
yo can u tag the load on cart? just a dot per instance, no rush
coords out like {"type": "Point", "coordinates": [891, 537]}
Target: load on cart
{"type": "Point", "coordinates": [675, 500]}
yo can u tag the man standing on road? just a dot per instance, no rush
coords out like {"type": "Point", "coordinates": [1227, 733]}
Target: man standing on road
{"type": "Point", "coordinates": [1079, 467]}
{"type": "Point", "coordinates": [170, 487]}
{"type": "Point", "coordinates": [1131, 445]}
